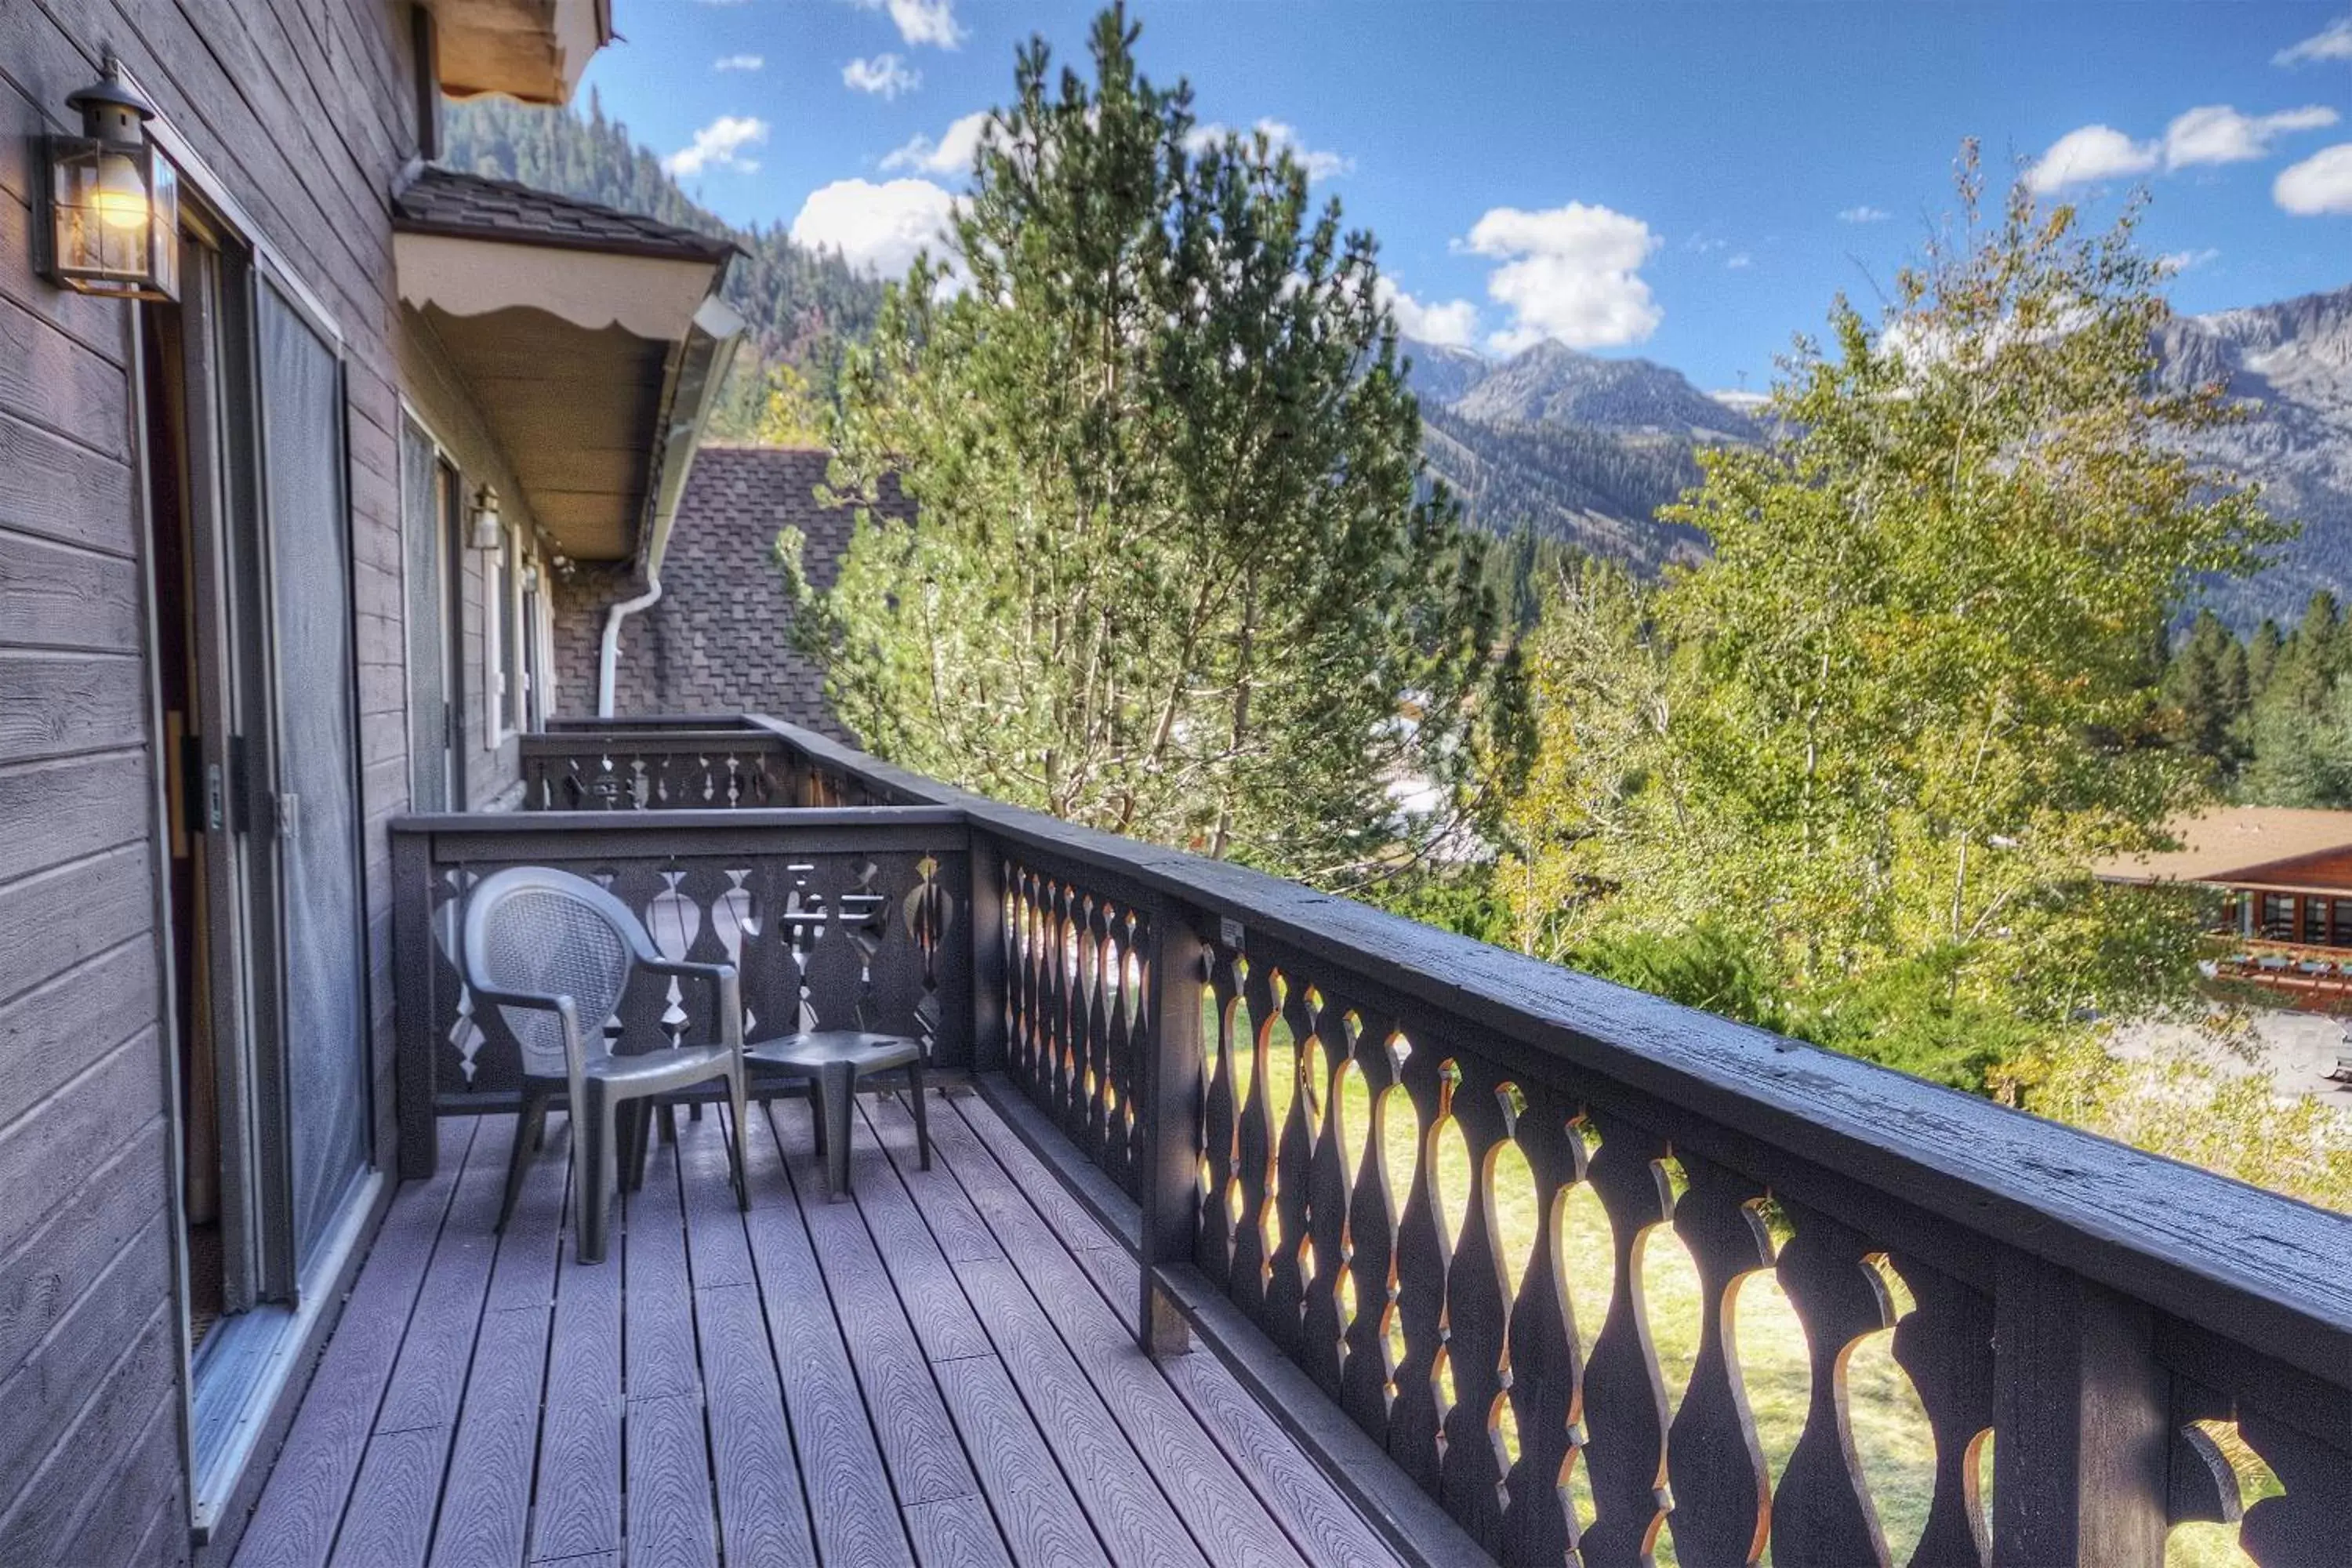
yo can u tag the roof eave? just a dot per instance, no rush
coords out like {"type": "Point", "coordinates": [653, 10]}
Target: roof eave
{"type": "Point", "coordinates": [711, 251]}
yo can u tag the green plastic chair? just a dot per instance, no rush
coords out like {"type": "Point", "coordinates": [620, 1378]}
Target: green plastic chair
{"type": "Point", "coordinates": [553, 953]}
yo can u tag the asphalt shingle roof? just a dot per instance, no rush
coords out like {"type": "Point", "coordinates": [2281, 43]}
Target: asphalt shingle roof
{"type": "Point", "coordinates": [475, 207]}
{"type": "Point", "coordinates": [717, 640]}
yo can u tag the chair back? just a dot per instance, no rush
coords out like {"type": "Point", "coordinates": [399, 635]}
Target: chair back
{"type": "Point", "coordinates": [534, 929]}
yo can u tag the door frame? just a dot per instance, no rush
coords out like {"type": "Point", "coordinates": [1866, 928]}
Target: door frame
{"type": "Point", "coordinates": [229, 1392]}
{"type": "Point", "coordinates": [285, 818]}
{"type": "Point", "coordinates": [449, 558]}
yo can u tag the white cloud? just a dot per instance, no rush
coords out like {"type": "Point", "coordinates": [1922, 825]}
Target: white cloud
{"type": "Point", "coordinates": [1280, 137]}
{"type": "Point", "coordinates": [876, 227]}
{"type": "Point", "coordinates": [719, 145]}
{"type": "Point", "coordinates": [1571, 274]}
{"type": "Point", "coordinates": [1453, 325]}
{"type": "Point", "coordinates": [2217, 133]}
{"type": "Point", "coordinates": [2332, 42]}
{"type": "Point", "coordinates": [885, 76]}
{"type": "Point", "coordinates": [951, 154]}
{"type": "Point", "coordinates": [2179, 261]}
{"type": "Point", "coordinates": [921, 22]}
{"type": "Point", "coordinates": [737, 63]}
{"type": "Point", "coordinates": [1864, 214]}
{"type": "Point", "coordinates": [1740, 262]}
{"type": "Point", "coordinates": [2092, 153]}
{"type": "Point", "coordinates": [2320, 184]}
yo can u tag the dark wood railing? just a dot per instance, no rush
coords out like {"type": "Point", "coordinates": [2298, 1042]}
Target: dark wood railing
{"type": "Point", "coordinates": [1265, 1086]}
{"type": "Point", "coordinates": [677, 764]}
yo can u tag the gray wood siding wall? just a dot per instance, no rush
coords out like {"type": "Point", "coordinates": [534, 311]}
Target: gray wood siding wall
{"type": "Point", "coordinates": [447, 411]}
{"type": "Point", "coordinates": [304, 110]}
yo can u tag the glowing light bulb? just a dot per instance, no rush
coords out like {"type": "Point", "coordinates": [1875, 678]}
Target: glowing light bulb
{"type": "Point", "coordinates": [119, 199]}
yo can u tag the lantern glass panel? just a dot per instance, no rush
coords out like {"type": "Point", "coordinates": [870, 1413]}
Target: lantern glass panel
{"type": "Point", "coordinates": [114, 218]}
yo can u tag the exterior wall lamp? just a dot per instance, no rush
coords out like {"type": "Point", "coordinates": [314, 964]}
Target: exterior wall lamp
{"type": "Point", "coordinates": [488, 532]}
{"type": "Point", "coordinates": [114, 203]}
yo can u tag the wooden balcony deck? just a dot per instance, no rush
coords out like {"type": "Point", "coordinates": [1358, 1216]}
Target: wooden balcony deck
{"type": "Point", "coordinates": [941, 1372]}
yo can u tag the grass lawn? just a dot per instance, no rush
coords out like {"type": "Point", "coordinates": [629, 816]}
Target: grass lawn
{"type": "Point", "coordinates": [1891, 1434]}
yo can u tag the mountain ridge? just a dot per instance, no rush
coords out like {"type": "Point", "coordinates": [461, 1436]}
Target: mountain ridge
{"type": "Point", "coordinates": [1584, 449]}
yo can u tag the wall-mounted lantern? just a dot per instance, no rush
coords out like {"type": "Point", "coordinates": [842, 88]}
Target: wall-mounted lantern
{"type": "Point", "coordinates": [488, 532]}
{"type": "Point", "coordinates": [114, 202]}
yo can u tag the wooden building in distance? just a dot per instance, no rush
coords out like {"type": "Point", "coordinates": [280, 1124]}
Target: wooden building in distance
{"type": "Point", "coordinates": [2285, 880]}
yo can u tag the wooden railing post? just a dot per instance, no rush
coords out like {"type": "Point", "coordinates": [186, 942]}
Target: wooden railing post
{"type": "Point", "coordinates": [987, 881]}
{"type": "Point", "coordinates": [413, 1013]}
{"type": "Point", "coordinates": [2080, 1409]}
{"type": "Point", "coordinates": [1168, 1120]}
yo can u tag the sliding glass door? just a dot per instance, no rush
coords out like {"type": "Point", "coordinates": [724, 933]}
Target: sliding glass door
{"type": "Point", "coordinates": [323, 1049]}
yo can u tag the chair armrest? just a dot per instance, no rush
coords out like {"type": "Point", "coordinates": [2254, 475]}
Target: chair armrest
{"type": "Point", "coordinates": [521, 999]}
{"type": "Point", "coordinates": [575, 1052]}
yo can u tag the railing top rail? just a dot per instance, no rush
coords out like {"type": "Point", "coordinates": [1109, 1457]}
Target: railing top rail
{"type": "Point", "coordinates": [802, 820]}
{"type": "Point", "coordinates": [700, 738]}
{"type": "Point", "coordinates": [595, 726]}
{"type": "Point", "coordinates": [2251, 1265]}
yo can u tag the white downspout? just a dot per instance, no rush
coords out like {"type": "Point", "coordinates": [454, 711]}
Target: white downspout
{"type": "Point", "coordinates": [721, 329]}
{"type": "Point", "coordinates": [608, 659]}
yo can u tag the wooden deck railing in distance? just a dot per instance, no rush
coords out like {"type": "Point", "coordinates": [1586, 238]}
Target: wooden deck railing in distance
{"type": "Point", "coordinates": [1277, 1080]}
{"type": "Point", "coordinates": [681, 762]}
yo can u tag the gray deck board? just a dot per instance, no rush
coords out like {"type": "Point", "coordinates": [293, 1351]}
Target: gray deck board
{"type": "Point", "coordinates": [852, 1511]}
{"type": "Point", "coordinates": [920, 1446]}
{"type": "Point", "coordinates": [486, 1500]}
{"type": "Point", "coordinates": [577, 1506]}
{"type": "Point", "coordinates": [932, 1373]}
{"type": "Point", "coordinates": [309, 1487]}
{"type": "Point", "coordinates": [1216, 1504]}
{"type": "Point", "coordinates": [1039, 1513]}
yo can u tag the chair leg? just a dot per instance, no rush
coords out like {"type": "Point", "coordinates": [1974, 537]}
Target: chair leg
{"type": "Point", "coordinates": [840, 1104]}
{"type": "Point", "coordinates": [816, 1111]}
{"type": "Point", "coordinates": [625, 1144]}
{"type": "Point", "coordinates": [670, 1120]}
{"type": "Point", "coordinates": [736, 1106]}
{"type": "Point", "coordinates": [922, 1116]}
{"type": "Point", "coordinates": [530, 1124]}
{"type": "Point", "coordinates": [592, 1149]}
{"type": "Point", "coordinates": [641, 1145]}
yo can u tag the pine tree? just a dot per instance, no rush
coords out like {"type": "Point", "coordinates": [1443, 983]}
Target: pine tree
{"type": "Point", "coordinates": [1175, 571]}
{"type": "Point", "coordinates": [2206, 684]}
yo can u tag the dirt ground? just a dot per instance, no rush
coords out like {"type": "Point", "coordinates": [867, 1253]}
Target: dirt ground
{"type": "Point", "coordinates": [2297, 1049]}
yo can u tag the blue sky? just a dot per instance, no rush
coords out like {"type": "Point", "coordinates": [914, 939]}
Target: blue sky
{"type": "Point", "coordinates": [1686, 182]}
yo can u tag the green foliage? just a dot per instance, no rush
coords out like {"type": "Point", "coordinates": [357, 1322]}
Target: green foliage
{"type": "Point", "coordinates": [1851, 770]}
{"type": "Point", "coordinates": [1706, 967]}
{"type": "Point", "coordinates": [2272, 716]}
{"type": "Point", "coordinates": [1459, 898]}
{"type": "Point", "coordinates": [800, 305]}
{"type": "Point", "coordinates": [2230, 1122]}
{"type": "Point", "coordinates": [1173, 575]}
{"type": "Point", "coordinates": [790, 414]}
{"type": "Point", "coordinates": [2207, 685]}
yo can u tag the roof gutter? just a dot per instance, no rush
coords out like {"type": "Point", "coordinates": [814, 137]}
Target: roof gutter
{"type": "Point", "coordinates": [709, 349]}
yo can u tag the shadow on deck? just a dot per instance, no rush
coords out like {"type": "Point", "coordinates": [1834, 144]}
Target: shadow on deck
{"type": "Point", "coordinates": [939, 1372]}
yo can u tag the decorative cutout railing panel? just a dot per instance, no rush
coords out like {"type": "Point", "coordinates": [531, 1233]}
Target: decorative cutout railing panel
{"type": "Point", "coordinates": [1076, 1013]}
{"type": "Point", "coordinates": [636, 769]}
